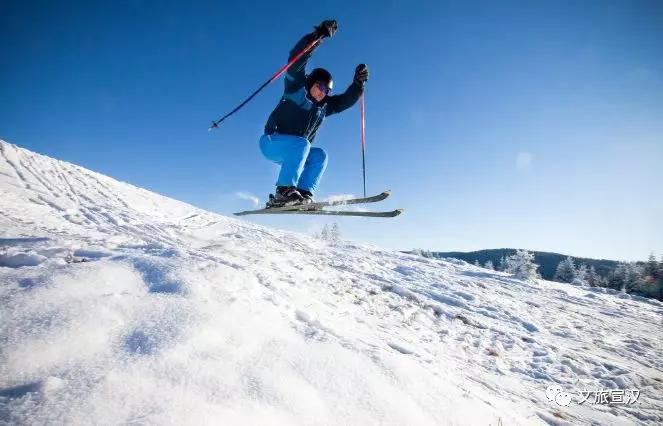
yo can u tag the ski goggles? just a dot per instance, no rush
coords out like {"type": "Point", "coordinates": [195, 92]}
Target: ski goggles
{"type": "Point", "coordinates": [323, 87]}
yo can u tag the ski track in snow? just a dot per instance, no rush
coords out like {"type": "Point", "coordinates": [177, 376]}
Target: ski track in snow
{"type": "Point", "coordinates": [123, 306]}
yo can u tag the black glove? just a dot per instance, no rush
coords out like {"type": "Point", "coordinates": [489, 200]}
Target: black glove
{"type": "Point", "coordinates": [361, 75]}
{"type": "Point", "coordinates": [327, 28]}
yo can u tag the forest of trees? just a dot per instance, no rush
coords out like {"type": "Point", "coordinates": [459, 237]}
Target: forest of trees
{"type": "Point", "coordinates": [640, 278]}
{"type": "Point", "coordinates": [330, 234]}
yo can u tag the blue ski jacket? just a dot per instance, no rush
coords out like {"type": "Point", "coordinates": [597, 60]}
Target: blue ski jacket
{"type": "Point", "coordinates": [296, 113]}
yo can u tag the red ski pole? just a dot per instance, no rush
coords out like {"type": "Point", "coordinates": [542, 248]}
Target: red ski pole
{"type": "Point", "coordinates": [278, 74]}
{"type": "Point", "coordinates": [363, 140]}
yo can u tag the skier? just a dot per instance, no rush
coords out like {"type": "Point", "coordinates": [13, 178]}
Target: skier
{"type": "Point", "coordinates": [291, 127]}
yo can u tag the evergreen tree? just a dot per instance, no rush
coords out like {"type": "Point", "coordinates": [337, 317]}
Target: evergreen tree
{"type": "Point", "coordinates": [324, 234]}
{"type": "Point", "coordinates": [522, 265]}
{"type": "Point", "coordinates": [501, 266]}
{"type": "Point", "coordinates": [476, 263]}
{"type": "Point", "coordinates": [489, 265]}
{"type": "Point", "coordinates": [636, 278]}
{"type": "Point", "coordinates": [627, 277]}
{"type": "Point", "coordinates": [334, 234]}
{"type": "Point", "coordinates": [424, 253]}
{"type": "Point", "coordinates": [581, 275]}
{"type": "Point", "coordinates": [618, 277]}
{"type": "Point", "coordinates": [593, 279]}
{"type": "Point", "coordinates": [652, 267]}
{"type": "Point", "coordinates": [566, 271]}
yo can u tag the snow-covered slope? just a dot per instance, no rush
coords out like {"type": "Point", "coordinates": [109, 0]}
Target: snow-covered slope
{"type": "Point", "coordinates": [122, 306]}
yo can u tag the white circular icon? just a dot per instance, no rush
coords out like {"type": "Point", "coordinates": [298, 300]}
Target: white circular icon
{"type": "Point", "coordinates": [553, 391]}
{"type": "Point", "coordinates": [563, 399]}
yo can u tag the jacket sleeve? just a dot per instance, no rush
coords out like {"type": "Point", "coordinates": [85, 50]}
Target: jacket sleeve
{"type": "Point", "coordinates": [295, 77]}
{"type": "Point", "coordinates": [345, 100]}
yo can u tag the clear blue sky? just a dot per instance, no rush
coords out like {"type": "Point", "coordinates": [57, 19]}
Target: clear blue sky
{"type": "Point", "coordinates": [524, 124]}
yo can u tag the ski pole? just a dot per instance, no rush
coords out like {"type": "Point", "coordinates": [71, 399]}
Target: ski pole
{"type": "Point", "coordinates": [363, 140]}
{"type": "Point", "coordinates": [283, 69]}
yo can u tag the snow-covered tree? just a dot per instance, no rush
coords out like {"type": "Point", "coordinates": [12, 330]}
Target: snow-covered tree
{"type": "Point", "coordinates": [489, 265]}
{"type": "Point", "coordinates": [630, 277]}
{"type": "Point", "coordinates": [423, 253]}
{"type": "Point", "coordinates": [627, 277]}
{"type": "Point", "coordinates": [331, 234]}
{"type": "Point", "coordinates": [566, 271]}
{"type": "Point", "coordinates": [581, 275]}
{"type": "Point", "coordinates": [616, 280]}
{"type": "Point", "coordinates": [501, 266]}
{"type": "Point", "coordinates": [324, 233]}
{"type": "Point", "coordinates": [659, 281]}
{"type": "Point", "coordinates": [334, 233]}
{"type": "Point", "coordinates": [593, 279]}
{"type": "Point", "coordinates": [651, 268]}
{"type": "Point", "coordinates": [476, 263]}
{"type": "Point", "coordinates": [522, 265]}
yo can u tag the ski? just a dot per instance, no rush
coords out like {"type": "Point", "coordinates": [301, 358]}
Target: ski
{"type": "Point", "coordinates": [392, 213]}
{"type": "Point", "coordinates": [318, 206]}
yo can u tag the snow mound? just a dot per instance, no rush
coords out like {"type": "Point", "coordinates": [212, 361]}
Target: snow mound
{"type": "Point", "coordinates": [123, 306]}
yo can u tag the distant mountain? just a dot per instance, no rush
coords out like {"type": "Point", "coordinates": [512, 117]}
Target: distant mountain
{"type": "Point", "coordinates": [547, 261]}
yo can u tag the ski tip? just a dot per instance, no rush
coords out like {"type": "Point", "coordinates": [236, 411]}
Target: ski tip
{"type": "Point", "coordinates": [398, 212]}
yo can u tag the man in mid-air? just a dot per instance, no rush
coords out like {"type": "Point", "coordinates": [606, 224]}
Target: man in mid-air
{"type": "Point", "coordinates": [291, 127]}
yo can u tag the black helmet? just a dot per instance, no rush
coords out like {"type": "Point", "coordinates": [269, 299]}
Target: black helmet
{"type": "Point", "coordinates": [321, 75]}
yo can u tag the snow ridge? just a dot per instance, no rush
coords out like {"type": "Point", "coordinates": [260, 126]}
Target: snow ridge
{"type": "Point", "coordinates": [123, 306]}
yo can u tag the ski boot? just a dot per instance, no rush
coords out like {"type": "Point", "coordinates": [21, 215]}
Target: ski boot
{"type": "Point", "coordinates": [285, 196]}
{"type": "Point", "coordinates": [307, 195]}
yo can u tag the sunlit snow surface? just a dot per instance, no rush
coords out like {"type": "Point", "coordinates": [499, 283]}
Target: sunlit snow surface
{"type": "Point", "coordinates": [122, 306]}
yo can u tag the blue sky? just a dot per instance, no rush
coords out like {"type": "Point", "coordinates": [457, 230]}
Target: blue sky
{"type": "Point", "coordinates": [536, 125]}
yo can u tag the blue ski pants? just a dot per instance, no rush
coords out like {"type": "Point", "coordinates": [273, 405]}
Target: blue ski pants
{"type": "Point", "coordinates": [301, 165]}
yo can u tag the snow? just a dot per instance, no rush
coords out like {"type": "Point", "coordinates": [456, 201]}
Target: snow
{"type": "Point", "coordinates": [123, 306]}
